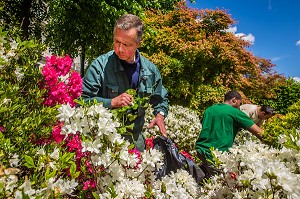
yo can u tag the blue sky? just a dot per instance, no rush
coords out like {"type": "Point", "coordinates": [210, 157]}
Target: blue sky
{"type": "Point", "coordinates": [273, 26]}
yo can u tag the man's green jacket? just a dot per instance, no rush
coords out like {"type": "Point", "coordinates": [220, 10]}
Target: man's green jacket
{"type": "Point", "coordinates": [106, 79]}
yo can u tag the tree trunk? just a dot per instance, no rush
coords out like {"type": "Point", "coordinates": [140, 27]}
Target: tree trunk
{"type": "Point", "coordinates": [82, 58]}
{"type": "Point", "coordinates": [25, 17]}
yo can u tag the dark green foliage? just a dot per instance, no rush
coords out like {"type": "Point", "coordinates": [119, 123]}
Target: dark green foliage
{"type": "Point", "coordinates": [285, 128]}
{"type": "Point", "coordinates": [283, 96]}
{"type": "Point", "coordinates": [23, 116]}
{"type": "Point", "coordinates": [87, 26]}
{"type": "Point", "coordinates": [29, 15]}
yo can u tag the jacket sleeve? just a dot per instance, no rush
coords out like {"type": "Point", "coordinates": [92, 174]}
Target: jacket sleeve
{"type": "Point", "coordinates": [160, 90]}
{"type": "Point", "coordinates": [92, 87]}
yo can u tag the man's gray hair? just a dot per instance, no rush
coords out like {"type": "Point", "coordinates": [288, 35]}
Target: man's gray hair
{"type": "Point", "coordinates": [129, 21]}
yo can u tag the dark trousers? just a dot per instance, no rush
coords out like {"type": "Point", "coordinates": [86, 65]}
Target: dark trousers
{"type": "Point", "coordinates": [208, 168]}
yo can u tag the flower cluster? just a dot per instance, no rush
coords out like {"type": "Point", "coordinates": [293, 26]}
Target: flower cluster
{"type": "Point", "coordinates": [182, 124]}
{"type": "Point", "coordinates": [7, 50]}
{"type": "Point", "coordinates": [253, 170]}
{"type": "Point", "coordinates": [62, 84]}
{"type": "Point", "coordinates": [113, 165]}
{"type": "Point", "coordinates": [178, 185]}
{"type": "Point", "coordinates": [86, 157]}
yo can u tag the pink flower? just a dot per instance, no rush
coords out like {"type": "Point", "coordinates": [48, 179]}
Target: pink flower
{"type": "Point", "coordinates": [138, 153]}
{"type": "Point", "coordinates": [61, 92]}
{"type": "Point", "coordinates": [51, 61]}
{"type": "Point", "coordinates": [2, 129]}
{"type": "Point", "coordinates": [63, 65]}
{"type": "Point", "coordinates": [90, 184]}
{"type": "Point", "coordinates": [56, 133]}
{"type": "Point", "coordinates": [89, 166]}
{"type": "Point", "coordinates": [74, 143]}
{"type": "Point", "coordinates": [232, 175]}
{"type": "Point", "coordinates": [149, 143]}
{"type": "Point", "coordinates": [75, 85]}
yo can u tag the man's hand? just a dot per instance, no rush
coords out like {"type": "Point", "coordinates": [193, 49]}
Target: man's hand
{"type": "Point", "coordinates": [159, 121]}
{"type": "Point", "coordinates": [122, 100]}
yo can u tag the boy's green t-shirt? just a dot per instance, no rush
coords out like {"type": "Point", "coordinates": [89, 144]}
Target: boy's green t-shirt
{"type": "Point", "coordinates": [220, 125]}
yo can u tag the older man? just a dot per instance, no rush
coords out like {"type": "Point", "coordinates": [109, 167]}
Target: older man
{"type": "Point", "coordinates": [112, 74]}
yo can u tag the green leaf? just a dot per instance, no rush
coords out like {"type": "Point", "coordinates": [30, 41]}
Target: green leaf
{"type": "Point", "coordinates": [73, 169]}
{"type": "Point", "coordinates": [49, 174]}
{"type": "Point", "coordinates": [29, 161]}
{"type": "Point", "coordinates": [96, 196]}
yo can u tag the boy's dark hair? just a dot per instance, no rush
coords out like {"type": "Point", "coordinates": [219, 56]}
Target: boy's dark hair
{"type": "Point", "coordinates": [232, 94]}
{"type": "Point", "coordinates": [267, 109]}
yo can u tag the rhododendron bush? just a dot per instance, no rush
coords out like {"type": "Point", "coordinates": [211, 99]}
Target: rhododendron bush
{"type": "Point", "coordinates": [80, 152]}
{"type": "Point", "coordinates": [53, 145]}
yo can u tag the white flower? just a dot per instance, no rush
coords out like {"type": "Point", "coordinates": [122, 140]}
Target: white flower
{"type": "Point", "coordinates": [66, 112]}
{"type": "Point", "coordinates": [127, 159]}
{"type": "Point", "coordinates": [6, 101]}
{"type": "Point", "coordinates": [11, 53]}
{"type": "Point", "coordinates": [55, 154]}
{"type": "Point", "coordinates": [19, 74]}
{"type": "Point", "coordinates": [153, 158]}
{"type": "Point", "coordinates": [14, 45]}
{"type": "Point", "coordinates": [14, 161]}
{"type": "Point", "coordinates": [41, 151]}
{"type": "Point", "coordinates": [52, 165]}
{"type": "Point", "coordinates": [130, 189]}
{"type": "Point", "coordinates": [26, 186]}
{"type": "Point", "coordinates": [62, 185]}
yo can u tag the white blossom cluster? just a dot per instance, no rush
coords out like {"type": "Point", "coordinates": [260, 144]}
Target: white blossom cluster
{"type": "Point", "coordinates": [8, 180]}
{"type": "Point", "coordinates": [253, 170]}
{"type": "Point", "coordinates": [182, 124]}
{"type": "Point", "coordinates": [7, 52]}
{"type": "Point", "coordinates": [250, 170]}
{"type": "Point", "coordinates": [93, 119]}
{"type": "Point", "coordinates": [57, 186]}
{"type": "Point", "coordinates": [128, 173]}
{"type": "Point", "coordinates": [177, 185]}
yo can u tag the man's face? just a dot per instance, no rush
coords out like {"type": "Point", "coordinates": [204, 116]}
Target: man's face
{"type": "Point", "coordinates": [263, 115]}
{"type": "Point", "coordinates": [125, 44]}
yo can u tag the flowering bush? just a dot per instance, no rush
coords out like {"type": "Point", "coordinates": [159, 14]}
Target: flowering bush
{"type": "Point", "coordinates": [254, 170]}
{"type": "Point", "coordinates": [76, 153]}
{"type": "Point", "coordinates": [63, 87]}
{"type": "Point", "coordinates": [182, 124]}
{"type": "Point", "coordinates": [51, 148]}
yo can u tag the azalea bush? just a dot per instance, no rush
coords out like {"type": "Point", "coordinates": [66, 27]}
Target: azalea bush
{"type": "Point", "coordinates": [53, 145]}
{"type": "Point", "coordinates": [284, 129]}
{"type": "Point", "coordinates": [183, 126]}
{"type": "Point", "coordinates": [254, 170]}
{"type": "Point", "coordinates": [78, 151]}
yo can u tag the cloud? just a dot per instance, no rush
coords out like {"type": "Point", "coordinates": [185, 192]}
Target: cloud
{"type": "Point", "coordinates": [296, 79]}
{"type": "Point", "coordinates": [250, 38]}
{"type": "Point", "coordinates": [270, 5]}
{"type": "Point", "coordinates": [274, 59]}
{"type": "Point", "coordinates": [232, 29]}
{"type": "Point", "coordinates": [298, 43]}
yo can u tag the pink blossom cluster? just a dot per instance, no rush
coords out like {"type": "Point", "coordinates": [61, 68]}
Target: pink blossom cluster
{"type": "Point", "coordinates": [138, 154]}
{"type": "Point", "coordinates": [61, 92]}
